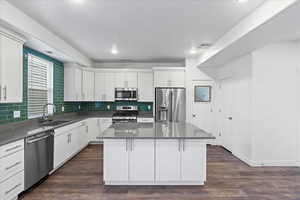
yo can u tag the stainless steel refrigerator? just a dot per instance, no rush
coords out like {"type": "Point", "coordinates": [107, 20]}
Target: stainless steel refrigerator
{"type": "Point", "coordinates": [170, 104]}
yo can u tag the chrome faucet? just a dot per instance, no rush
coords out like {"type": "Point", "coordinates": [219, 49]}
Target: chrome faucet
{"type": "Point", "coordinates": [45, 118]}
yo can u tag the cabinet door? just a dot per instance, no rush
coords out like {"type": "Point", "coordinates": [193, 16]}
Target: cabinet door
{"type": "Point", "coordinates": [88, 82]}
{"type": "Point", "coordinates": [120, 80]}
{"type": "Point", "coordinates": [61, 149]}
{"type": "Point", "coordinates": [78, 84]}
{"type": "Point", "coordinates": [193, 160]}
{"type": "Point", "coordinates": [11, 67]}
{"type": "Point", "coordinates": [130, 79]}
{"type": "Point", "coordinates": [93, 129]}
{"type": "Point", "coordinates": [109, 87]}
{"type": "Point", "coordinates": [177, 78]}
{"type": "Point", "coordinates": [141, 160]}
{"type": "Point", "coordinates": [161, 78]}
{"type": "Point", "coordinates": [145, 87]}
{"type": "Point", "coordinates": [168, 160]}
{"type": "Point", "coordinates": [100, 87]}
{"type": "Point", "coordinates": [115, 160]}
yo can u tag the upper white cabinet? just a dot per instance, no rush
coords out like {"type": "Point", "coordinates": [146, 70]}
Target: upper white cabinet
{"type": "Point", "coordinates": [169, 78]}
{"type": "Point", "coordinates": [104, 86]}
{"type": "Point", "coordinates": [73, 82]}
{"type": "Point", "coordinates": [88, 84]}
{"type": "Point", "coordinates": [126, 79]}
{"type": "Point", "coordinates": [145, 87]}
{"type": "Point", "coordinates": [11, 69]}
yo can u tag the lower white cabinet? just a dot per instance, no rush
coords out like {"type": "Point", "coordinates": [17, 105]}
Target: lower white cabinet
{"type": "Point", "coordinates": [11, 170]}
{"type": "Point", "coordinates": [116, 160]}
{"type": "Point", "coordinates": [154, 162]}
{"type": "Point", "coordinates": [69, 140]}
{"type": "Point", "coordinates": [12, 187]}
{"type": "Point", "coordinates": [141, 160]}
{"type": "Point", "coordinates": [168, 160]}
{"type": "Point", "coordinates": [145, 120]}
{"type": "Point", "coordinates": [96, 126]}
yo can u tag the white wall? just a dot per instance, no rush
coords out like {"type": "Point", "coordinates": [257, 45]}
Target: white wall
{"type": "Point", "coordinates": [238, 75]}
{"type": "Point", "coordinates": [274, 109]}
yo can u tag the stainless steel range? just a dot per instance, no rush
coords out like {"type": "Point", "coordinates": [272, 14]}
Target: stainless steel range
{"type": "Point", "coordinates": [125, 114]}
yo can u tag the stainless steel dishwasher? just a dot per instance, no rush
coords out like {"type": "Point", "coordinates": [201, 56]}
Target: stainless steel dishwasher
{"type": "Point", "coordinates": [38, 157]}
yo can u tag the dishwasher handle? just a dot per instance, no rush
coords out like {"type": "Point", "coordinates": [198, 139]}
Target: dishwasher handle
{"type": "Point", "coordinates": [29, 141]}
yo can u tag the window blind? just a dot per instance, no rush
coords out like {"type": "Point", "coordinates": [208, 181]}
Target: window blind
{"type": "Point", "coordinates": [40, 85]}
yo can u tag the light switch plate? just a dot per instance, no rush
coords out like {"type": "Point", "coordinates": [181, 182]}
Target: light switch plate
{"type": "Point", "coordinates": [63, 109]}
{"type": "Point", "coordinates": [108, 107]}
{"type": "Point", "coordinates": [17, 114]}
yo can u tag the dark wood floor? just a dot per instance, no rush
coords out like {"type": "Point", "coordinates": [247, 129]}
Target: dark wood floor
{"type": "Point", "coordinates": [228, 179]}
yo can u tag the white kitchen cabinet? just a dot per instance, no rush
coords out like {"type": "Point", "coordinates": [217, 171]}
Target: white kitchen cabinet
{"type": "Point", "coordinates": [72, 82]}
{"type": "Point", "coordinates": [169, 78]}
{"type": "Point", "coordinates": [88, 84]}
{"type": "Point", "coordinates": [104, 86]}
{"type": "Point", "coordinates": [168, 160]}
{"type": "Point", "coordinates": [11, 170]}
{"type": "Point", "coordinates": [192, 168]}
{"type": "Point", "coordinates": [145, 87]}
{"type": "Point", "coordinates": [141, 160]}
{"type": "Point", "coordinates": [116, 160]}
{"type": "Point", "coordinates": [93, 129]}
{"type": "Point", "coordinates": [11, 69]}
{"type": "Point", "coordinates": [68, 141]}
{"type": "Point", "coordinates": [126, 80]}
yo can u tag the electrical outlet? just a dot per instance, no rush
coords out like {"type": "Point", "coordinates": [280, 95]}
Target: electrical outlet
{"type": "Point", "coordinates": [17, 114]}
{"type": "Point", "coordinates": [149, 107]}
{"type": "Point", "coordinates": [108, 107]}
{"type": "Point", "coordinates": [63, 109]}
{"type": "Point", "coordinates": [79, 107]}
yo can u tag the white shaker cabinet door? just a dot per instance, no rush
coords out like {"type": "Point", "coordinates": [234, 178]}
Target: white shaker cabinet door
{"type": "Point", "coordinates": [88, 83]}
{"type": "Point", "coordinates": [115, 160]}
{"type": "Point", "coordinates": [145, 87]}
{"type": "Point", "coordinates": [109, 86]}
{"type": "Point", "coordinates": [193, 155]}
{"type": "Point", "coordinates": [11, 70]}
{"type": "Point", "coordinates": [168, 160]}
{"type": "Point", "coordinates": [120, 80]}
{"type": "Point", "coordinates": [100, 86]}
{"type": "Point", "coordinates": [141, 160]}
{"type": "Point", "coordinates": [61, 149]}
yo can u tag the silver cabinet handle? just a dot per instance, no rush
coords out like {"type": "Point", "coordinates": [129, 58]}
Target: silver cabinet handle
{"type": "Point", "coordinates": [12, 166]}
{"type": "Point", "coordinates": [5, 92]}
{"type": "Point", "coordinates": [132, 144]}
{"type": "Point", "coordinates": [126, 145]}
{"type": "Point", "coordinates": [13, 148]}
{"type": "Point", "coordinates": [183, 145]}
{"type": "Point", "coordinates": [13, 188]}
{"type": "Point", "coordinates": [179, 145]}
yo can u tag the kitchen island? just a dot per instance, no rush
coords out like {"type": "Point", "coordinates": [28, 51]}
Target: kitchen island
{"type": "Point", "coordinates": [155, 154]}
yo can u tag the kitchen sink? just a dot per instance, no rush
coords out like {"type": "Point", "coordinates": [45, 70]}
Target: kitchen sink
{"type": "Point", "coordinates": [54, 123]}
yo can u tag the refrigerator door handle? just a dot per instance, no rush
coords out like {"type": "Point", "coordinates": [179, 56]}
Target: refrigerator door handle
{"type": "Point", "coordinates": [172, 110]}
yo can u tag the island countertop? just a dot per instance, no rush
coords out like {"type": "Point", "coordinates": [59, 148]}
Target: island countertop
{"type": "Point", "coordinates": [157, 130]}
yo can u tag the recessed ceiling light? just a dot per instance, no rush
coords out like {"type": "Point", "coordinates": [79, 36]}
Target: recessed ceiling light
{"type": "Point", "coordinates": [193, 51]}
{"type": "Point", "coordinates": [114, 50]}
{"type": "Point", "coordinates": [78, 1]}
{"type": "Point", "coordinates": [242, 1]}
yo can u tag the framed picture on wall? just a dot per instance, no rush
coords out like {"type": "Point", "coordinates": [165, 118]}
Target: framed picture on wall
{"type": "Point", "coordinates": [202, 93]}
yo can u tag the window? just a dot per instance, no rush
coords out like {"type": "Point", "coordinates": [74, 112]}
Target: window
{"type": "Point", "coordinates": [40, 86]}
{"type": "Point", "coordinates": [202, 93]}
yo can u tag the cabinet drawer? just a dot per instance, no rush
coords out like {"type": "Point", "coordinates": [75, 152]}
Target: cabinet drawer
{"type": "Point", "coordinates": [13, 186]}
{"type": "Point", "coordinates": [11, 148]}
{"type": "Point", "coordinates": [11, 165]}
{"type": "Point", "coordinates": [145, 120]}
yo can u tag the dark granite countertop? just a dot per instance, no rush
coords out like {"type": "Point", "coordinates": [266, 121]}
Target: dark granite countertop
{"type": "Point", "coordinates": [19, 130]}
{"type": "Point", "coordinates": [157, 130]}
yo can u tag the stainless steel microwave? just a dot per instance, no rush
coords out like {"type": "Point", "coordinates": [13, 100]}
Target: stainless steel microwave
{"type": "Point", "coordinates": [126, 94]}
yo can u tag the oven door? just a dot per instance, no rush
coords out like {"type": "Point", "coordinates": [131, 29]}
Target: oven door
{"type": "Point", "coordinates": [125, 95]}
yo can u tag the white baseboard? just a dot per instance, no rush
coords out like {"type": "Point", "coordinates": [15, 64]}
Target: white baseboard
{"type": "Point", "coordinates": [153, 183]}
{"type": "Point", "coordinates": [244, 159]}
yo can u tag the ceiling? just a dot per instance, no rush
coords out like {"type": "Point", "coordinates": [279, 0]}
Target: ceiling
{"type": "Point", "coordinates": [142, 30]}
